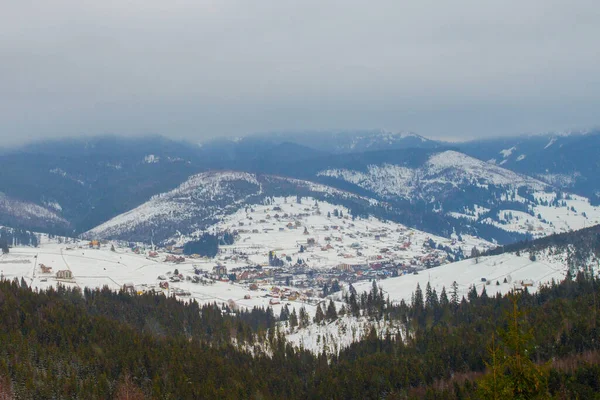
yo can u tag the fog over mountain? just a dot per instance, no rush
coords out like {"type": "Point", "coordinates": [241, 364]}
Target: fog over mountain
{"type": "Point", "coordinates": [200, 69]}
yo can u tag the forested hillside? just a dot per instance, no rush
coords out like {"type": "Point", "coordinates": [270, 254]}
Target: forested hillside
{"type": "Point", "coordinates": [100, 344]}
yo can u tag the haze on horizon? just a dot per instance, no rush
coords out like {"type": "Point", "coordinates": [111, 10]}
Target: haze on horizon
{"type": "Point", "coordinates": [194, 69]}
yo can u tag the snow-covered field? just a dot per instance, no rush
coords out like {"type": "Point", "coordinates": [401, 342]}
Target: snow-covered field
{"type": "Point", "coordinates": [494, 269]}
{"type": "Point", "coordinates": [574, 213]}
{"type": "Point", "coordinates": [332, 336]}
{"type": "Point", "coordinates": [284, 226]}
{"type": "Point", "coordinates": [99, 267]}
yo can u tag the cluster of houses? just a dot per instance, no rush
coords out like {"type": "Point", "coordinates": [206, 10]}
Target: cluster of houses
{"type": "Point", "coordinates": [64, 274]}
{"type": "Point", "coordinates": [330, 247]}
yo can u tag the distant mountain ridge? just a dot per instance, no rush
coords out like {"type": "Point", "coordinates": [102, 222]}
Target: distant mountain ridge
{"type": "Point", "coordinates": [568, 161]}
{"type": "Point", "coordinates": [494, 188]}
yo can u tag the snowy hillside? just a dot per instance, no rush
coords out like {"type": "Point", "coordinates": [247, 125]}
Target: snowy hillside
{"type": "Point", "coordinates": [497, 274]}
{"type": "Point", "coordinates": [448, 168]}
{"type": "Point", "coordinates": [567, 160]}
{"type": "Point", "coordinates": [545, 213]}
{"type": "Point", "coordinates": [203, 200]}
{"type": "Point", "coordinates": [324, 236]}
{"type": "Point", "coordinates": [472, 272]}
{"type": "Point", "coordinates": [341, 250]}
{"type": "Point", "coordinates": [466, 188]}
{"type": "Point", "coordinates": [15, 212]}
{"type": "Point", "coordinates": [96, 268]}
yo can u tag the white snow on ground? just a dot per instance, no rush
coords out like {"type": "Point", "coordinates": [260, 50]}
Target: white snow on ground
{"type": "Point", "coordinates": [177, 205]}
{"type": "Point", "coordinates": [473, 214]}
{"type": "Point", "coordinates": [100, 267]}
{"type": "Point", "coordinates": [507, 152]}
{"type": "Point", "coordinates": [385, 180]}
{"type": "Point", "coordinates": [151, 159]}
{"type": "Point", "coordinates": [560, 180]}
{"type": "Point", "coordinates": [445, 168]}
{"type": "Point", "coordinates": [29, 211]}
{"type": "Point", "coordinates": [96, 268]}
{"type": "Point", "coordinates": [550, 143]}
{"type": "Point", "coordinates": [284, 226]}
{"type": "Point", "coordinates": [577, 213]}
{"type": "Point", "coordinates": [517, 270]}
{"type": "Point", "coordinates": [333, 336]}
{"type": "Point", "coordinates": [469, 272]}
{"type": "Point", "coordinates": [205, 196]}
{"type": "Point", "coordinates": [53, 205]}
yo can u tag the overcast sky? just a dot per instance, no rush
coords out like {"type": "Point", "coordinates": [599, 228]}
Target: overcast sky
{"type": "Point", "coordinates": [202, 68]}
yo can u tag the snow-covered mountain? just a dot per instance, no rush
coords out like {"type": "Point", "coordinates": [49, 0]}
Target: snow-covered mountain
{"type": "Point", "coordinates": [565, 160]}
{"type": "Point", "coordinates": [447, 170]}
{"type": "Point", "coordinates": [443, 192]}
{"type": "Point", "coordinates": [510, 190]}
{"type": "Point", "coordinates": [18, 213]}
{"type": "Point", "coordinates": [205, 199]}
{"type": "Point", "coordinates": [469, 189]}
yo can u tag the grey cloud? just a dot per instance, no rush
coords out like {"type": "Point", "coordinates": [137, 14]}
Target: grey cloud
{"type": "Point", "coordinates": [197, 69]}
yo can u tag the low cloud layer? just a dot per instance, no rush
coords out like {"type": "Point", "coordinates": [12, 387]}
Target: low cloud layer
{"type": "Point", "coordinates": [203, 68]}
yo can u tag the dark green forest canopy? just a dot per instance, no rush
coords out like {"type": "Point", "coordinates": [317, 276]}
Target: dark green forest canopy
{"type": "Point", "coordinates": [68, 344]}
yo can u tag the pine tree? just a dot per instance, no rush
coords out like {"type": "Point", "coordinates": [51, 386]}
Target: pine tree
{"type": "Point", "coordinates": [335, 287]}
{"type": "Point", "coordinates": [454, 294]}
{"type": "Point", "coordinates": [431, 299]}
{"type": "Point", "coordinates": [304, 319]}
{"type": "Point", "coordinates": [472, 295]}
{"type": "Point", "coordinates": [293, 319]}
{"type": "Point", "coordinates": [444, 298]}
{"type": "Point", "coordinates": [527, 380]}
{"type": "Point", "coordinates": [319, 315]}
{"type": "Point", "coordinates": [418, 298]}
{"type": "Point", "coordinates": [512, 373]}
{"type": "Point", "coordinates": [285, 313]}
{"type": "Point", "coordinates": [484, 295]}
{"type": "Point", "coordinates": [353, 302]}
{"type": "Point", "coordinates": [331, 313]}
{"type": "Point", "coordinates": [494, 385]}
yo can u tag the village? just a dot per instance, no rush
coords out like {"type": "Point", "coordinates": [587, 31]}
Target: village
{"type": "Point", "coordinates": [301, 248]}
{"type": "Point", "coordinates": [288, 254]}
{"type": "Point", "coordinates": [288, 249]}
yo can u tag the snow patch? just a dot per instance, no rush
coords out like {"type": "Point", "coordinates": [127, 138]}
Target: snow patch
{"type": "Point", "coordinates": [507, 152]}
{"type": "Point", "coordinates": [550, 143]}
{"type": "Point", "coordinates": [151, 159]}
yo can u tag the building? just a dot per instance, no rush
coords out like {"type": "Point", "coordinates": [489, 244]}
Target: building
{"type": "Point", "coordinates": [45, 269]}
{"type": "Point", "coordinates": [64, 274]}
{"type": "Point", "coordinates": [220, 270]}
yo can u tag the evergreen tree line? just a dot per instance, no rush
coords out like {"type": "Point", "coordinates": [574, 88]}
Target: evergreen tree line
{"type": "Point", "coordinates": [16, 237]}
{"type": "Point", "coordinates": [64, 343]}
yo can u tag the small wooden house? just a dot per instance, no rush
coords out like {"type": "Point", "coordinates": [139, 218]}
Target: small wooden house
{"type": "Point", "coordinates": [64, 274]}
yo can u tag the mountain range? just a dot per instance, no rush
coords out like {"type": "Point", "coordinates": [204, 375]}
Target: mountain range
{"type": "Point", "coordinates": [502, 190]}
